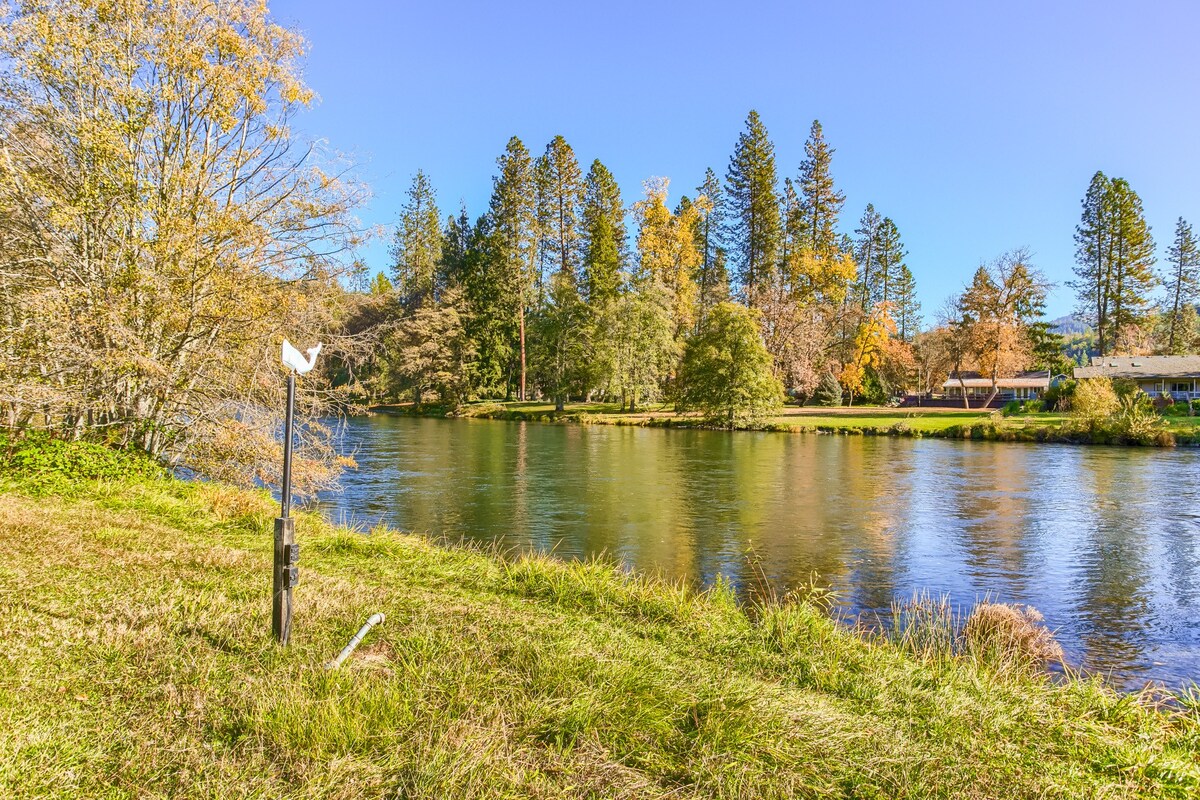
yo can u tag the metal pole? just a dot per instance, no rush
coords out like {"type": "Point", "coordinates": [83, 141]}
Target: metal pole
{"type": "Point", "coordinates": [286, 494]}
{"type": "Point", "coordinates": [285, 573]}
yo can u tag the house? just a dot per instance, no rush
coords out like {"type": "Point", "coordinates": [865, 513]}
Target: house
{"type": "Point", "coordinates": [1022, 386]}
{"type": "Point", "coordinates": [1177, 376]}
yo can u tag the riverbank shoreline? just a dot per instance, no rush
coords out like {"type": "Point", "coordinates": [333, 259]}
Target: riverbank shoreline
{"type": "Point", "coordinates": [941, 423]}
{"type": "Point", "coordinates": [134, 619]}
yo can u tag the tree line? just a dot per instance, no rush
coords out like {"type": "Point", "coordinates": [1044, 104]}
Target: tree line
{"type": "Point", "coordinates": [548, 294]}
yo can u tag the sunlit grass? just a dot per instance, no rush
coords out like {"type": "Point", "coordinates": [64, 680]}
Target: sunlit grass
{"type": "Point", "coordinates": [136, 661]}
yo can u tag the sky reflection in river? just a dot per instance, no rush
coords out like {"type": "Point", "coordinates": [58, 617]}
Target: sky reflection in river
{"type": "Point", "coordinates": [1104, 541]}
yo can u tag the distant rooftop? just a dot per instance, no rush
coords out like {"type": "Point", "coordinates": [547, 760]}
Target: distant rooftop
{"type": "Point", "coordinates": [1038, 379]}
{"type": "Point", "coordinates": [1141, 367]}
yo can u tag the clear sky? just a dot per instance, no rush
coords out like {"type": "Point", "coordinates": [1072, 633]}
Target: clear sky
{"type": "Point", "coordinates": [975, 126]}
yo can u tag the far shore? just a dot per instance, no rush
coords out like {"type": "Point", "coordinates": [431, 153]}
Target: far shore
{"type": "Point", "coordinates": [912, 422]}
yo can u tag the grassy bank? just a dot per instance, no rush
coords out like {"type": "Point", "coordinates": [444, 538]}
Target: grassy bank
{"type": "Point", "coordinates": [136, 662]}
{"type": "Point", "coordinates": [940, 423]}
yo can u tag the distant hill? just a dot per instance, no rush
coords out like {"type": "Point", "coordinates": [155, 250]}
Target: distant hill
{"type": "Point", "coordinates": [1068, 325]}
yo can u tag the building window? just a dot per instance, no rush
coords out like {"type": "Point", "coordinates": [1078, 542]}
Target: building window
{"type": "Point", "coordinates": [1181, 388]}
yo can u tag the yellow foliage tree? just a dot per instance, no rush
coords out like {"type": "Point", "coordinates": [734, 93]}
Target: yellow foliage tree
{"type": "Point", "coordinates": [161, 229]}
{"type": "Point", "coordinates": [870, 346]}
{"type": "Point", "coordinates": [667, 248]}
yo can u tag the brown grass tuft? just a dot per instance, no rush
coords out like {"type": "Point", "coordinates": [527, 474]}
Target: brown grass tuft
{"type": "Point", "coordinates": [1011, 633]}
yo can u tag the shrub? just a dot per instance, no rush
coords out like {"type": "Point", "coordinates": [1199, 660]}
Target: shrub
{"type": "Point", "coordinates": [1058, 397]}
{"type": "Point", "coordinates": [53, 466]}
{"type": "Point", "coordinates": [1094, 402]}
{"type": "Point", "coordinates": [1176, 410]}
{"type": "Point", "coordinates": [1011, 407]}
{"type": "Point", "coordinates": [1034, 406]}
{"type": "Point", "coordinates": [828, 391]}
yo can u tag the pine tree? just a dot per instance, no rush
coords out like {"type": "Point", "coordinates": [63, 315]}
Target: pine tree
{"type": "Point", "coordinates": [456, 242]}
{"type": "Point", "coordinates": [1093, 259]}
{"type": "Point", "coordinates": [560, 194]}
{"type": "Point", "coordinates": [889, 259]}
{"type": "Point", "coordinates": [820, 203]}
{"type": "Point", "coordinates": [1182, 282]}
{"type": "Point", "coordinates": [793, 240]}
{"type": "Point", "coordinates": [417, 247]}
{"type": "Point", "coordinates": [754, 225]}
{"type": "Point", "coordinates": [713, 278]}
{"type": "Point", "coordinates": [869, 289]}
{"type": "Point", "coordinates": [1133, 260]}
{"type": "Point", "coordinates": [513, 242]}
{"type": "Point", "coordinates": [602, 235]}
{"type": "Point", "coordinates": [908, 308]}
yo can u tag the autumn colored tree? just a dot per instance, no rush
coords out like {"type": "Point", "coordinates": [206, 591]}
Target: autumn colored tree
{"type": "Point", "coordinates": [870, 343]}
{"type": "Point", "coordinates": [667, 250]}
{"type": "Point", "coordinates": [162, 228]}
{"type": "Point", "coordinates": [997, 310]}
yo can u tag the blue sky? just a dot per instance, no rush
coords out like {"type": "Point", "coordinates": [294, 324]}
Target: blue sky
{"type": "Point", "coordinates": [976, 127]}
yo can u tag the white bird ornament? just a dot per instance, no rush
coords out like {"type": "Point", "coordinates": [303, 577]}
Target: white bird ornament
{"type": "Point", "coordinates": [292, 358]}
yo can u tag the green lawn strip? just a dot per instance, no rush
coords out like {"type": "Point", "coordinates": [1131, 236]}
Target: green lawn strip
{"type": "Point", "coordinates": [137, 662]}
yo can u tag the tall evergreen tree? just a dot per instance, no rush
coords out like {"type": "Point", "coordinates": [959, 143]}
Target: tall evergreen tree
{"type": "Point", "coordinates": [889, 260]}
{"type": "Point", "coordinates": [907, 308]}
{"type": "Point", "coordinates": [513, 242]}
{"type": "Point", "coordinates": [792, 239]}
{"type": "Point", "coordinates": [560, 192]}
{"type": "Point", "coordinates": [1093, 258]}
{"type": "Point", "coordinates": [713, 278]}
{"type": "Point", "coordinates": [456, 242]}
{"type": "Point", "coordinates": [603, 236]}
{"type": "Point", "coordinates": [417, 247]}
{"type": "Point", "coordinates": [820, 203]}
{"type": "Point", "coordinates": [867, 258]}
{"type": "Point", "coordinates": [1182, 281]}
{"type": "Point", "coordinates": [1133, 260]}
{"type": "Point", "coordinates": [754, 224]}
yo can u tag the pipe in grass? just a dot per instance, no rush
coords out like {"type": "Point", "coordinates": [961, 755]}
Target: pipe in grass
{"type": "Point", "coordinates": [371, 622]}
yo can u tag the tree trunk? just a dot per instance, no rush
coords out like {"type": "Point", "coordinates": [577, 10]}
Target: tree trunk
{"type": "Point", "coordinates": [521, 393]}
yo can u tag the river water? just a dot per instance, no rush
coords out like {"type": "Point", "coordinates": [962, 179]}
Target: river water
{"type": "Point", "coordinates": [1105, 542]}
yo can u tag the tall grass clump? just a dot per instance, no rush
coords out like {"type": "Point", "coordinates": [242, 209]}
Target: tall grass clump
{"type": "Point", "coordinates": [1000, 636]}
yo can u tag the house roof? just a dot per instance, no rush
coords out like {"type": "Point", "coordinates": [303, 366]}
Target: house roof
{"type": "Point", "coordinates": [1022, 380]}
{"type": "Point", "coordinates": [1141, 367]}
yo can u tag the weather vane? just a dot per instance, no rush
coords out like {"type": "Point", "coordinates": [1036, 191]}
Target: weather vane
{"type": "Point", "coordinates": [287, 552]}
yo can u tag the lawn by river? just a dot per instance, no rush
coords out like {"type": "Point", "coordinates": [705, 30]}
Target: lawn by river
{"type": "Point", "coordinates": [136, 661]}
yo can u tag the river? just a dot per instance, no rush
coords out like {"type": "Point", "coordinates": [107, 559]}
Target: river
{"type": "Point", "coordinates": [1105, 542]}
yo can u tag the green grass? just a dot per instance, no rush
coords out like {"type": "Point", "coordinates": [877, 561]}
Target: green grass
{"type": "Point", "coordinates": [136, 661]}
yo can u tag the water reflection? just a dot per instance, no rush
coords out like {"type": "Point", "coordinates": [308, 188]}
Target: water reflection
{"type": "Point", "coordinates": [1104, 541]}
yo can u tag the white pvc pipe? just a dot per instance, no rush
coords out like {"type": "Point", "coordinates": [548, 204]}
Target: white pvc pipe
{"type": "Point", "coordinates": [371, 622]}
